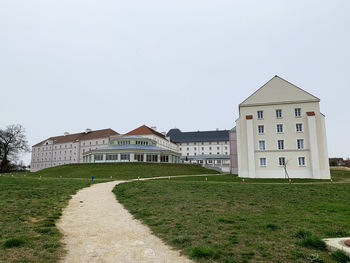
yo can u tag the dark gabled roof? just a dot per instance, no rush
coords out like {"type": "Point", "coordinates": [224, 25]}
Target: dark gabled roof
{"type": "Point", "coordinates": [143, 130]}
{"type": "Point", "coordinates": [79, 136]}
{"type": "Point", "coordinates": [199, 136]}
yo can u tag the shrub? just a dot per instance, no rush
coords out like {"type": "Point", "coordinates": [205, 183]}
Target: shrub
{"type": "Point", "coordinates": [340, 256]}
{"type": "Point", "coordinates": [310, 240]}
{"type": "Point", "coordinates": [204, 252]}
{"type": "Point", "coordinates": [14, 242]}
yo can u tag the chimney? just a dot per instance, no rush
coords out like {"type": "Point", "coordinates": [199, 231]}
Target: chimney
{"type": "Point", "coordinates": [164, 133]}
{"type": "Point", "coordinates": [217, 129]}
{"type": "Point", "coordinates": [66, 133]}
{"type": "Point", "coordinates": [154, 128]}
{"type": "Point", "coordinates": [87, 130]}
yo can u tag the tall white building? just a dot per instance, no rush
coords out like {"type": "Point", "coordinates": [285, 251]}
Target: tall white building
{"type": "Point", "coordinates": [280, 128]}
{"type": "Point", "coordinates": [208, 148]}
{"type": "Point", "coordinates": [68, 148]}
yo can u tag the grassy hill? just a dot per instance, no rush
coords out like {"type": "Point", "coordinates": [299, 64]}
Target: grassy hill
{"type": "Point", "coordinates": [226, 220]}
{"type": "Point", "coordinates": [123, 171]}
{"type": "Point", "coordinates": [29, 207]}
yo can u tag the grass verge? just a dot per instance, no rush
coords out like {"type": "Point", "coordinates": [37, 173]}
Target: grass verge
{"type": "Point", "coordinates": [225, 221]}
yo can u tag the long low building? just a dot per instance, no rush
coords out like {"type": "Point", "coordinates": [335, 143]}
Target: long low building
{"type": "Point", "coordinates": [207, 148]}
{"type": "Point", "coordinates": [132, 148]}
{"type": "Point", "coordinates": [67, 148]}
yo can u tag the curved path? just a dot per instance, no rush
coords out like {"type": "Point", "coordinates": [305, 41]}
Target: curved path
{"type": "Point", "coordinates": [97, 228]}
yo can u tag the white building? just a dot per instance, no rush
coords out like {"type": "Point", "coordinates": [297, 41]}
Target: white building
{"type": "Point", "coordinates": [208, 148]}
{"type": "Point", "coordinates": [68, 148]}
{"type": "Point", "coordinates": [280, 126]}
{"type": "Point", "coordinates": [160, 138]}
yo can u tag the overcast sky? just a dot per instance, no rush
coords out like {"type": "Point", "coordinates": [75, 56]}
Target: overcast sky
{"type": "Point", "coordinates": [67, 65]}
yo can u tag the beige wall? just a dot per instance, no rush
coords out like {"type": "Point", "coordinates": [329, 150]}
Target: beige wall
{"type": "Point", "coordinates": [289, 135]}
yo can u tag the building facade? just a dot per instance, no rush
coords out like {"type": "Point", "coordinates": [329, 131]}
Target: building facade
{"type": "Point", "coordinates": [68, 148]}
{"type": "Point", "coordinates": [281, 133]}
{"type": "Point", "coordinates": [207, 148]}
{"type": "Point", "coordinates": [131, 148]}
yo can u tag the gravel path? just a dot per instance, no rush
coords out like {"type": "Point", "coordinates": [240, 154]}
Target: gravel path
{"type": "Point", "coordinates": [97, 228]}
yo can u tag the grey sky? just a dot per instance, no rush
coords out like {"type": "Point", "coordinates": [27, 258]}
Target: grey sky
{"type": "Point", "coordinates": [67, 65]}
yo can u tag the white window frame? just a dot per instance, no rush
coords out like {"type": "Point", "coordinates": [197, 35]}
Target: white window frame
{"type": "Point", "coordinates": [277, 125]}
{"type": "Point", "coordinates": [263, 129]}
{"type": "Point", "coordinates": [279, 114]}
{"type": "Point", "coordinates": [278, 145]}
{"type": "Point", "coordinates": [302, 144]}
{"type": "Point", "coordinates": [260, 163]}
{"type": "Point", "coordinates": [304, 164]}
{"type": "Point", "coordinates": [297, 112]}
{"type": "Point", "coordinates": [260, 114]}
{"type": "Point", "coordinates": [264, 143]}
{"type": "Point", "coordinates": [296, 127]}
{"type": "Point", "coordinates": [279, 160]}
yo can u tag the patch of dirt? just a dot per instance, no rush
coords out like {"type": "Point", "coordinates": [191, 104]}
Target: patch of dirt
{"type": "Point", "coordinates": [97, 228]}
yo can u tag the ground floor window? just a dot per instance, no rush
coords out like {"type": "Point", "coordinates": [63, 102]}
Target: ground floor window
{"type": "Point", "coordinates": [152, 158]}
{"type": "Point", "coordinates": [262, 161]}
{"type": "Point", "coordinates": [138, 157]}
{"type": "Point", "coordinates": [281, 161]}
{"type": "Point", "coordinates": [98, 157]}
{"type": "Point", "coordinates": [111, 157]}
{"type": "Point", "coordinates": [125, 157]}
{"type": "Point", "coordinates": [301, 161]}
{"type": "Point", "coordinates": [164, 158]}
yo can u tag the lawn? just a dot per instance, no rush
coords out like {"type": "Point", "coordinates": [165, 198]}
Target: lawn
{"type": "Point", "coordinates": [29, 206]}
{"type": "Point", "coordinates": [224, 220]}
{"type": "Point", "coordinates": [28, 210]}
{"type": "Point", "coordinates": [121, 171]}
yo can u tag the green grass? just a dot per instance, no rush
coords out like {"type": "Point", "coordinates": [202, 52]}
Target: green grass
{"type": "Point", "coordinates": [29, 207]}
{"type": "Point", "coordinates": [123, 171]}
{"type": "Point", "coordinates": [225, 220]}
{"type": "Point", "coordinates": [28, 210]}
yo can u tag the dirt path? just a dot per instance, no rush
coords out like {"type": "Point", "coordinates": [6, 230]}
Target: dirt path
{"type": "Point", "coordinates": [97, 228]}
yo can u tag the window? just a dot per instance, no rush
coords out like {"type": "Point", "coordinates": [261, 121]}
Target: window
{"type": "Point", "coordinates": [125, 157]}
{"type": "Point", "coordinates": [279, 128]}
{"type": "Point", "coordinates": [202, 148]}
{"type": "Point", "coordinates": [188, 148]}
{"type": "Point", "coordinates": [260, 114]}
{"type": "Point", "coordinates": [96, 142]}
{"type": "Point", "coordinates": [164, 158]}
{"type": "Point", "coordinates": [152, 158]}
{"type": "Point", "coordinates": [217, 153]}
{"type": "Point", "coordinates": [262, 145]}
{"type": "Point", "coordinates": [282, 161]}
{"type": "Point", "coordinates": [301, 161]}
{"type": "Point", "coordinates": [297, 112]}
{"type": "Point", "coordinates": [278, 113]}
{"type": "Point", "coordinates": [280, 144]}
{"type": "Point", "coordinates": [195, 148]}
{"type": "Point", "coordinates": [111, 157]}
{"type": "Point", "coordinates": [98, 157]}
{"type": "Point", "coordinates": [180, 149]}
{"type": "Point", "coordinates": [260, 129]}
{"type": "Point", "coordinates": [209, 148]}
{"type": "Point", "coordinates": [300, 144]}
{"type": "Point", "coordinates": [218, 148]}
{"type": "Point", "coordinates": [262, 161]}
{"type": "Point", "coordinates": [225, 147]}
{"type": "Point", "coordinates": [299, 127]}
{"type": "Point", "coordinates": [138, 157]}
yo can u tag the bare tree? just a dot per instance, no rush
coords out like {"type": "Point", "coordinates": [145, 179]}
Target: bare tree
{"type": "Point", "coordinates": [12, 142]}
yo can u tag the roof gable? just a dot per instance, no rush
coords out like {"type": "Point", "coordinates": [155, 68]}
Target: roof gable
{"type": "Point", "coordinates": [276, 91]}
{"type": "Point", "coordinates": [144, 130]}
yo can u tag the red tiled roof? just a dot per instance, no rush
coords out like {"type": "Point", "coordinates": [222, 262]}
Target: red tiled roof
{"type": "Point", "coordinates": [80, 136]}
{"type": "Point", "coordinates": [142, 130]}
